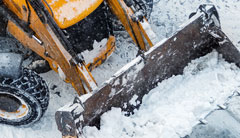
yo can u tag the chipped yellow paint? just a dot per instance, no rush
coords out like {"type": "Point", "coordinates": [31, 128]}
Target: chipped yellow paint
{"type": "Point", "coordinates": [69, 12]}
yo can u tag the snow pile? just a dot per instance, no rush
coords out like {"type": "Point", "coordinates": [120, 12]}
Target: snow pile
{"type": "Point", "coordinates": [176, 105]}
{"type": "Point", "coordinates": [168, 15]}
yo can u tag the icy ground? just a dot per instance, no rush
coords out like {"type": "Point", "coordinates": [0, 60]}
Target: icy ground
{"type": "Point", "coordinates": [165, 122]}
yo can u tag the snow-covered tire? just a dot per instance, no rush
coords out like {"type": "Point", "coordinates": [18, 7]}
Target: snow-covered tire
{"type": "Point", "coordinates": [27, 99]}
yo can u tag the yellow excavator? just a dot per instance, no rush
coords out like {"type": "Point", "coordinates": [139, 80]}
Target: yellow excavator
{"type": "Point", "coordinates": [75, 37]}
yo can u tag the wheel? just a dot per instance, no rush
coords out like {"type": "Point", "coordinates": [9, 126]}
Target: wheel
{"type": "Point", "coordinates": [23, 101]}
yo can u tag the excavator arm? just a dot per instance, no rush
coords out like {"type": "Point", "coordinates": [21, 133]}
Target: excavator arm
{"type": "Point", "coordinates": [137, 27]}
{"type": "Point", "coordinates": [36, 29]}
{"type": "Point", "coordinates": [42, 35]}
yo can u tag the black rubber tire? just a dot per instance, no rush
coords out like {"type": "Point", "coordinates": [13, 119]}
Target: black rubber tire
{"type": "Point", "coordinates": [32, 89]}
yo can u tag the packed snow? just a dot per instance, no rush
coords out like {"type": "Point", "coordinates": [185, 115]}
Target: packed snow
{"type": "Point", "coordinates": [176, 105]}
{"type": "Point", "coordinates": [171, 109]}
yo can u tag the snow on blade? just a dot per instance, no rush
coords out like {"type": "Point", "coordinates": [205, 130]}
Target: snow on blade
{"type": "Point", "coordinates": [176, 105]}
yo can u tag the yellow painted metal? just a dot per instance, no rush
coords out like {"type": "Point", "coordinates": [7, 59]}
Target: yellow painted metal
{"type": "Point", "coordinates": [16, 6]}
{"type": "Point", "coordinates": [64, 12]}
{"type": "Point", "coordinates": [58, 57]}
{"type": "Point", "coordinates": [150, 43]}
{"type": "Point", "coordinates": [54, 52]}
{"type": "Point", "coordinates": [104, 54]}
{"type": "Point", "coordinates": [69, 12]}
{"type": "Point", "coordinates": [124, 14]}
{"type": "Point", "coordinates": [52, 49]}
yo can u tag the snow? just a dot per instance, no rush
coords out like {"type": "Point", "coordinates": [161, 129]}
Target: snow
{"type": "Point", "coordinates": [134, 101]}
{"type": "Point", "coordinates": [150, 33]}
{"type": "Point", "coordinates": [98, 48]}
{"type": "Point", "coordinates": [61, 73]}
{"type": "Point", "coordinates": [225, 127]}
{"type": "Point", "coordinates": [168, 15]}
{"type": "Point", "coordinates": [175, 105]}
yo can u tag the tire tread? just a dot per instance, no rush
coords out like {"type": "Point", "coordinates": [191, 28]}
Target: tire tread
{"type": "Point", "coordinates": [34, 85]}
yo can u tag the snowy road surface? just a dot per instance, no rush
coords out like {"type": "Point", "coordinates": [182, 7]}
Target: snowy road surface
{"type": "Point", "coordinates": [183, 101]}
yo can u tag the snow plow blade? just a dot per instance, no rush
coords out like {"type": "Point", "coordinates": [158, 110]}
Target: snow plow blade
{"type": "Point", "coordinates": [199, 36]}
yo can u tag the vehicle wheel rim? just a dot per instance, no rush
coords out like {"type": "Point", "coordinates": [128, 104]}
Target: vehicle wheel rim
{"type": "Point", "coordinates": [12, 107]}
